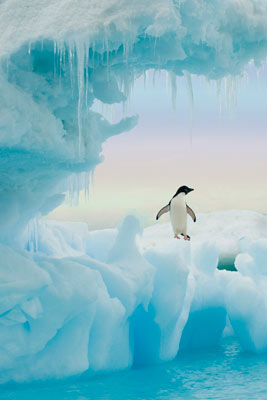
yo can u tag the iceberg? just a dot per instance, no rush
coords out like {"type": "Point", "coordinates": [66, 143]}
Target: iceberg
{"type": "Point", "coordinates": [110, 299]}
{"type": "Point", "coordinates": [73, 300]}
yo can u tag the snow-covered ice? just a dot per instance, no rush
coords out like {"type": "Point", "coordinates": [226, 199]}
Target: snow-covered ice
{"type": "Point", "coordinates": [109, 299]}
{"type": "Point", "coordinates": [224, 228]}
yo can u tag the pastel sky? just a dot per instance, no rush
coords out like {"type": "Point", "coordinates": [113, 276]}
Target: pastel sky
{"type": "Point", "coordinates": [222, 156]}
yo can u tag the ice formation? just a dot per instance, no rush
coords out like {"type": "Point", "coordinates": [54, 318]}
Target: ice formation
{"type": "Point", "coordinates": [92, 301]}
{"type": "Point", "coordinates": [72, 300]}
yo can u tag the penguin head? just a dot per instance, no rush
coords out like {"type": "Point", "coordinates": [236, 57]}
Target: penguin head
{"type": "Point", "coordinates": [183, 189]}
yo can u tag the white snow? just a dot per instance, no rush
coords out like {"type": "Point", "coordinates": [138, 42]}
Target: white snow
{"type": "Point", "coordinates": [223, 228]}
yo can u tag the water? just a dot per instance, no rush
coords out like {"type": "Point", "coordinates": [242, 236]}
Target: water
{"type": "Point", "coordinates": [223, 372]}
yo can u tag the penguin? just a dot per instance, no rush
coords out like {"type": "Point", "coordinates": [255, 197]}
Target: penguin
{"type": "Point", "coordinates": [178, 212]}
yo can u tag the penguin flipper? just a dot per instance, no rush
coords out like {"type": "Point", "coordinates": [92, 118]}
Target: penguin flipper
{"type": "Point", "coordinates": [163, 211]}
{"type": "Point", "coordinates": [191, 213]}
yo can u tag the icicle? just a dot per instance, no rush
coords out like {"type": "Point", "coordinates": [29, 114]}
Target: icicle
{"type": "Point", "coordinates": [86, 179]}
{"type": "Point", "coordinates": [60, 61]}
{"type": "Point", "coordinates": [207, 80]}
{"type": "Point", "coordinates": [106, 48]}
{"type": "Point", "coordinates": [189, 89]}
{"type": "Point", "coordinates": [93, 55]}
{"type": "Point", "coordinates": [73, 192]}
{"type": "Point", "coordinates": [231, 94]}
{"type": "Point", "coordinates": [77, 183]}
{"type": "Point", "coordinates": [128, 84]}
{"type": "Point", "coordinates": [86, 73]}
{"type": "Point", "coordinates": [92, 178]}
{"type": "Point", "coordinates": [144, 76]}
{"type": "Point", "coordinates": [257, 75]}
{"type": "Point", "coordinates": [55, 53]}
{"type": "Point", "coordinates": [80, 71]}
{"type": "Point", "coordinates": [120, 83]}
{"type": "Point", "coordinates": [64, 54]}
{"type": "Point", "coordinates": [154, 78]}
{"type": "Point", "coordinates": [219, 96]}
{"type": "Point", "coordinates": [102, 53]}
{"type": "Point", "coordinates": [172, 78]}
{"type": "Point", "coordinates": [234, 90]}
{"type": "Point", "coordinates": [225, 92]}
{"type": "Point", "coordinates": [167, 81]}
{"type": "Point", "coordinates": [155, 45]}
{"type": "Point", "coordinates": [125, 50]}
{"type": "Point", "coordinates": [29, 48]}
{"type": "Point", "coordinates": [71, 67]}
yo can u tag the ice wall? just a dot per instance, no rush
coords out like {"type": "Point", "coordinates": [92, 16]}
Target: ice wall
{"type": "Point", "coordinates": [96, 301]}
{"type": "Point", "coordinates": [61, 316]}
{"type": "Point", "coordinates": [48, 133]}
{"type": "Point", "coordinates": [246, 296]}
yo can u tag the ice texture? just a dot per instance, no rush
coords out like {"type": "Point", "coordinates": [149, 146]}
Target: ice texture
{"type": "Point", "coordinates": [82, 301]}
{"type": "Point", "coordinates": [246, 297]}
{"type": "Point", "coordinates": [75, 301]}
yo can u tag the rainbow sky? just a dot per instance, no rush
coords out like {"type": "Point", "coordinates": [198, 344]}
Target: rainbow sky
{"type": "Point", "coordinates": [223, 156]}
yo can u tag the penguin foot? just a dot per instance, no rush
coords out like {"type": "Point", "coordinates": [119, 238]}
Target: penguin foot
{"type": "Point", "coordinates": [186, 237]}
{"type": "Point", "coordinates": [176, 236]}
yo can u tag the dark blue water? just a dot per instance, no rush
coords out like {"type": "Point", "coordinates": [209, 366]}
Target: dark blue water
{"type": "Point", "coordinates": [223, 372]}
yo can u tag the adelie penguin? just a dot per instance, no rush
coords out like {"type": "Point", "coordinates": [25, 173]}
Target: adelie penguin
{"type": "Point", "coordinates": [178, 212]}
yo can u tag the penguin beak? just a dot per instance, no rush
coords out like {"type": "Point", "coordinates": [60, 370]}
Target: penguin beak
{"type": "Point", "coordinates": [190, 190]}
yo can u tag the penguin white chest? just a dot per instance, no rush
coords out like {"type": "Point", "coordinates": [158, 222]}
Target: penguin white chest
{"type": "Point", "coordinates": [178, 214]}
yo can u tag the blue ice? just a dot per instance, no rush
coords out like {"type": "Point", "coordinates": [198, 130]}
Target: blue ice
{"type": "Point", "coordinates": [74, 301]}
